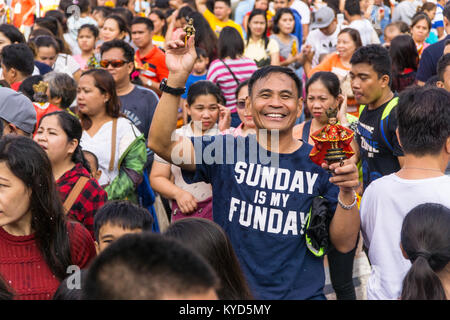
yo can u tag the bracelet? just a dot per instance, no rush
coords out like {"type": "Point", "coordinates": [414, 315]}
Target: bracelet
{"type": "Point", "coordinates": [348, 207]}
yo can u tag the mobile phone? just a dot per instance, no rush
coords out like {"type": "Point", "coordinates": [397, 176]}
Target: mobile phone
{"type": "Point", "coordinates": [340, 18]}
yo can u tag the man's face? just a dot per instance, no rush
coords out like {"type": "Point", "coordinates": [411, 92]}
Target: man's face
{"type": "Point", "coordinates": [108, 233]}
{"type": "Point", "coordinates": [276, 103]}
{"type": "Point", "coordinates": [446, 83]}
{"type": "Point", "coordinates": [328, 31]}
{"type": "Point", "coordinates": [278, 4]}
{"type": "Point", "coordinates": [366, 84]}
{"type": "Point", "coordinates": [222, 11]}
{"type": "Point", "coordinates": [141, 35]}
{"type": "Point", "coordinates": [120, 74]}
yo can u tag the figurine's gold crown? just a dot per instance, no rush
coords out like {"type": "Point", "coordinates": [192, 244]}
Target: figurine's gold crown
{"type": "Point", "coordinates": [331, 113]}
{"type": "Point", "coordinates": [41, 87]}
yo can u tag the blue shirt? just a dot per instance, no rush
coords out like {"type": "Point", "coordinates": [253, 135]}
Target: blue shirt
{"type": "Point", "coordinates": [263, 209]}
{"type": "Point", "coordinates": [298, 30]}
{"type": "Point", "coordinates": [429, 60]}
{"type": "Point", "coordinates": [190, 80]}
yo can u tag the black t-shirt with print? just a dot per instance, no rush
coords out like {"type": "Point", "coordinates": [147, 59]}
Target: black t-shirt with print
{"type": "Point", "coordinates": [378, 150]}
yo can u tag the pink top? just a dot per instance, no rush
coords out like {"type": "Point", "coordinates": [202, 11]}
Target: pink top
{"type": "Point", "coordinates": [83, 63]}
{"type": "Point", "coordinates": [236, 132]}
{"type": "Point", "coordinates": [243, 68]}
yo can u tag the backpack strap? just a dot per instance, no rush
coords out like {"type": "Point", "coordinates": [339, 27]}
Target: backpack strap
{"type": "Point", "coordinates": [113, 144]}
{"type": "Point", "coordinates": [385, 119]}
{"type": "Point", "coordinates": [74, 193]}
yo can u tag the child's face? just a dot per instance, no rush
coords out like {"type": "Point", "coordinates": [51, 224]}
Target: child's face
{"type": "Point", "coordinates": [390, 33]}
{"type": "Point", "coordinates": [95, 173]}
{"type": "Point", "coordinates": [200, 65]}
{"type": "Point", "coordinates": [109, 233]}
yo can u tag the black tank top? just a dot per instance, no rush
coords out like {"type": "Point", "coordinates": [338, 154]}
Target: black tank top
{"type": "Point", "coordinates": [306, 129]}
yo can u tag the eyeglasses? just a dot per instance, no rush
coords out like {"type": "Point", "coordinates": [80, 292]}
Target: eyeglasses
{"type": "Point", "coordinates": [240, 104]}
{"type": "Point", "coordinates": [114, 63]}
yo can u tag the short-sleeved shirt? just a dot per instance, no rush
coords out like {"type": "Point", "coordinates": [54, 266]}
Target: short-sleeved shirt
{"type": "Point", "coordinates": [377, 157]}
{"type": "Point", "coordinates": [153, 64]}
{"type": "Point", "coordinates": [190, 81]}
{"type": "Point", "coordinates": [321, 43]}
{"type": "Point", "coordinates": [66, 64]}
{"type": "Point", "coordinates": [217, 25]}
{"type": "Point", "coordinates": [366, 31]}
{"type": "Point", "coordinates": [263, 208]}
{"type": "Point", "coordinates": [429, 60]}
{"type": "Point", "coordinates": [255, 49]}
{"type": "Point", "coordinates": [139, 106]}
{"type": "Point", "coordinates": [287, 49]}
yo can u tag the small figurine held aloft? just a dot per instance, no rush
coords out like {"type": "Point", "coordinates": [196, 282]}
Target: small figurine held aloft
{"type": "Point", "coordinates": [189, 29]}
{"type": "Point", "coordinates": [332, 142]}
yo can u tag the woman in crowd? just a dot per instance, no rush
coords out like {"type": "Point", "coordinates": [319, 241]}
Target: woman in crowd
{"type": "Point", "coordinates": [264, 6]}
{"type": "Point", "coordinates": [37, 242]}
{"type": "Point", "coordinates": [247, 125]}
{"type": "Point", "coordinates": [160, 28]}
{"type": "Point", "coordinates": [339, 63]}
{"type": "Point", "coordinates": [405, 61]}
{"type": "Point", "coordinates": [204, 104]}
{"type": "Point", "coordinates": [425, 239]}
{"type": "Point", "coordinates": [231, 68]}
{"type": "Point", "coordinates": [59, 134]}
{"type": "Point", "coordinates": [323, 92]}
{"type": "Point", "coordinates": [283, 27]}
{"type": "Point", "coordinates": [87, 38]}
{"type": "Point", "coordinates": [117, 143]}
{"type": "Point", "coordinates": [53, 25]}
{"type": "Point", "coordinates": [209, 240]}
{"type": "Point", "coordinates": [47, 51]}
{"type": "Point", "coordinates": [420, 29]}
{"type": "Point", "coordinates": [429, 8]}
{"type": "Point", "coordinates": [258, 46]}
{"type": "Point", "coordinates": [114, 27]}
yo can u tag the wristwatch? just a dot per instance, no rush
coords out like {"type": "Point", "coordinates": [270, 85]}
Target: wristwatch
{"type": "Point", "coordinates": [149, 83]}
{"type": "Point", "coordinates": [173, 91]}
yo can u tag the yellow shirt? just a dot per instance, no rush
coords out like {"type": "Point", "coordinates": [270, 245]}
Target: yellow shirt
{"type": "Point", "coordinates": [217, 25]}
{"type": "Point", "coordinates": [255, 49]}
{"type": "Point", "coordinates": [158, 41]}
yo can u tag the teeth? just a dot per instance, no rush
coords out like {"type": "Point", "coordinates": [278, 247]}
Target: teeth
{"type": "Point", "coordinates": [274, 115]}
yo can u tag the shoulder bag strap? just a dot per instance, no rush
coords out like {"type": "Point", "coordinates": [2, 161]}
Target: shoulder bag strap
{"type": "Point", "coordinates": [73, 195]}
{"type": "Point", "coordinates": [235, 79]}
{"type": "Point", "coordinates": [113, 144]}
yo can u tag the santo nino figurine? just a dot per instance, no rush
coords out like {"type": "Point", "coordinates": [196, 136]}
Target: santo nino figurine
{"type": "Point", "coordinates": [189, 29]}
{"type": "Point", "coordinates": [332, 142]}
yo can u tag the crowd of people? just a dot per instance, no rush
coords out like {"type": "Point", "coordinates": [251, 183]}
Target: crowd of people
{"type": "Point", "coordinates": [168, 149]}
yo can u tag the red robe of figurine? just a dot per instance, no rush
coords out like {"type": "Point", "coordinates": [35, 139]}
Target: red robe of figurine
{"type": "Point", "coordinates": [332, 136]}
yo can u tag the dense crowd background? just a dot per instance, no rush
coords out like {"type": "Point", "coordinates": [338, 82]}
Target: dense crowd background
{"type": "Point", "coordinates": [83, 160]}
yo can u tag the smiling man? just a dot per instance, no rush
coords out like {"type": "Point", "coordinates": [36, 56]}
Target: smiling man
{"type": "Point", "coordinates": [263, 207]}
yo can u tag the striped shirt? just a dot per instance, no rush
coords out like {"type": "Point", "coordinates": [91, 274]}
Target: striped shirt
{"type": "Point", "coordinates": [243, 68]}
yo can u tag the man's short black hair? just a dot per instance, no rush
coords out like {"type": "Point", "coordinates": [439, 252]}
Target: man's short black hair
{"type": "Point", "coordinates": [18, 56]}
{"type": "Point", "coordinates": [227, 2]}
{"type": "Point", "coordinates": [147, 266]}
{"type": "Point", "coordinates": [423, 120]}
{"type": "Point", "coordinates": [446, 11]}
{"type": "Point", "coordinates": [352, 7]}
{"type": "Point", "coordinates": [128, 51]}
{"type": "Point", "coordinates": [375, 55]}
{"type": "Point", "coordinates": [442, 64]}
{"type": "Point", "coordinates": [123, 214]}
{"type": "Point", "coordinates": [145, 21]}
{"type": "Point", "coordinates": [266, 71]}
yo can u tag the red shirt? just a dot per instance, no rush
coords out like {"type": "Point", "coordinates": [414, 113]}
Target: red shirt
{"type": "Point", "coordinates": [15, 86]}
{"type": "Point", "coordinates": [153, 64]}
{"type": "Point", "coordinates": [24, 269]}
{"type": "Point", "coordinates": [42, 109]}
{"type": "Point", "coordinates": [90, 199]}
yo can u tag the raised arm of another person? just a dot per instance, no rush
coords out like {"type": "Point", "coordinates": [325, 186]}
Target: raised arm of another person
{"type": "Point", "coordinates": [201, 5]}
{"type": "Point", "coordinates": [180, 59]}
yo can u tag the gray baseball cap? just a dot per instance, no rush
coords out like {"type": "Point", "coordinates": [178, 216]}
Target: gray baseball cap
{"type": "Point", "coordinates": [323, 18]}
{"type": "Point", "coordinates": [17, 109]}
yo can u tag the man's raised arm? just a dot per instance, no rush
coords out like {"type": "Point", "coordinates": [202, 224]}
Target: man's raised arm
{"type": "Point", "coordinates": [180, 59]}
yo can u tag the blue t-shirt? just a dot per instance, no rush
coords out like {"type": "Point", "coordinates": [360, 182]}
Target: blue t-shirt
{"type": "Point", "coordinates": [190, 80]}
{"type": "Point", "coordinates": [429, 60]}
{"type": "Point", "coordinates": [263, 209]}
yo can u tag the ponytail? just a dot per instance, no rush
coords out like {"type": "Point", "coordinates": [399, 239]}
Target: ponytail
{"type": "Point", "coordinates": [78, 157]}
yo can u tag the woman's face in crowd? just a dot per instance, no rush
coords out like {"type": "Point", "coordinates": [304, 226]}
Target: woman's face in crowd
{"type": "Point", "coordinates": [111, 31]}
{"type": "Point", "coordinates": [204, 111]}
{"type": "Point", "coordinates": [245, 113]}
{"type": "Point", "coordinates": [420, 31]}
{"type": "Point", "coordinates": [52, 138]}
{"type": "Point", "coordinates": [14, 198]}
{"type": "Point", "coordinates": [47, 55]}
{"type": "Point", "coordinates": [318, 100]}
{"type": "Point", "coordinates": [431, 14]}
{"type": "Point", "coordinates": [91, 101]}
{"type": "Point", "coordinates": [86, 40]}
{"type": "Point", "coordinates": [4, 41]}
{"type": "Point", "coordinates": [262, 4]}
{"type": "Point", "coordinates": [286, 23]}
{"type": "Point", "coordinates": [345, 45]}
{"type": "Point", "coordinates": [158, 23]}
{"type": "Point", "coordinates": [257, 25]}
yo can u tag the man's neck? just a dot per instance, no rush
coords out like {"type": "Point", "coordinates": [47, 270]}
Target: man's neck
{"type": "Point", "coordinates": [385, 97]}
{"type": "Point", "coordinates": [278, 142]}
{"type": "Point", "coordinates": [354, 18]}
{"type": "Point", "coordinates": [144, 51]}
{"type": "Point", "coordinates": [124, 88]}
{"type": "Point", "coordinates": [423, 167]}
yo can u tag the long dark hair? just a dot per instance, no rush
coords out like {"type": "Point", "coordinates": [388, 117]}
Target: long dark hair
{"type": "Point", "coordinates": [204, 87]}
{"type": "Point", "coordinates": [161, 16]}
{"type": "Point", "coordinates": [105, 83]}
{"type": "Point", "coordinates": [47, 214]}
{"type": "Point", "coordinates": [121, 23]}
{"type": "Point", "coordinates": [204, 36]}
{"type": "Point", "coordinates": [328, 79]}
{"type": "Point", "coordinates": [258, 12]}
{"type": "Point", "coordinates": [230, 43]}
{"type": "Point", "coordinates": [210, 241]}
{"type": "Point", "coordinates": [403, 52]}
{"type": "Point", "coordinates": [72, 128]}
{"type": "Point", "coordinates": [425, 238]}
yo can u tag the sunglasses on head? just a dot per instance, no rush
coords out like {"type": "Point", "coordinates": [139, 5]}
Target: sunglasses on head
{"type": "Point", "coordinates": [114, 63]}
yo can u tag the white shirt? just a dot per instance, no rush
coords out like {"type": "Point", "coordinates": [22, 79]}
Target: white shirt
{"type": "Point", "coordinates": [66, 64]}
{"type": "Point", "coordinates": [366, 31]}
{"type": "Point", "coordinates": [384, 205]}
{"type": "Point", "coordinates": [321, 43]}
{"type": "Point", "coordinates": [303, 9]}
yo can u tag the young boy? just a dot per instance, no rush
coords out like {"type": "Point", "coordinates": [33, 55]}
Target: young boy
{"type": "Point", "coordinates": [117, 218]}
{"type": "Point", "coordinates": [198, 73]}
